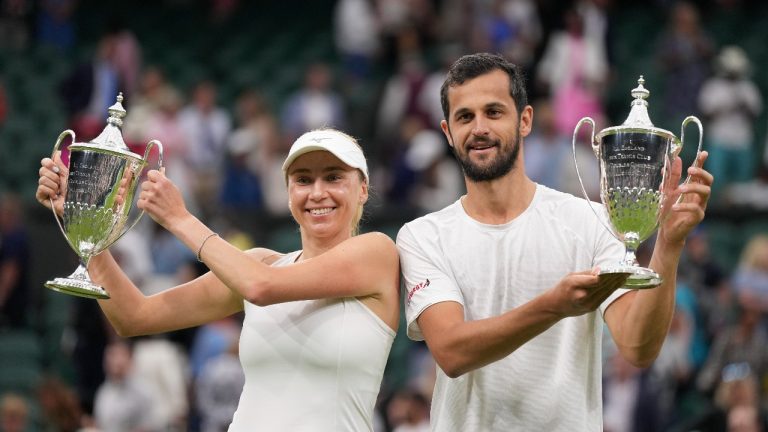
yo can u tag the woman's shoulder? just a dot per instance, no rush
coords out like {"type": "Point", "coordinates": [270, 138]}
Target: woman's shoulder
{"type": "Point", "coordinates": [376, 241]}
{"type": "Point", "coordinates": [372, 247]}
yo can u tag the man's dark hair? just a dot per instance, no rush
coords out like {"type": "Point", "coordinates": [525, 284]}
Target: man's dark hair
{"type": "Point", "coordinates": [472, 66]}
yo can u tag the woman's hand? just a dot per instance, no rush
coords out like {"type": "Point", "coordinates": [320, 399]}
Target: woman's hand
{"type": "Point", "coordinates": [52, 184]}
{"type": "Point", "coordinates": [162, 200]}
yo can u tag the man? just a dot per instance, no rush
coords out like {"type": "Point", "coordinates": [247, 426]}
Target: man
{"type": "Point", "coordinates": [503, 284]}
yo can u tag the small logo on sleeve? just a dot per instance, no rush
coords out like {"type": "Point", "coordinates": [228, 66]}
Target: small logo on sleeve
{"type": "Point", "coordinates": [416, 288]}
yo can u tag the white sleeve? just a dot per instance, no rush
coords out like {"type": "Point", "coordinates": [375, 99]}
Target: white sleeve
{"type": "Point", "coordinates": [425, 277]}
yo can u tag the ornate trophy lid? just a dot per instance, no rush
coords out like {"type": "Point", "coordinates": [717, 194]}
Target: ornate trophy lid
{"type": "Point", "coordinates": [111, 138]}
{"type": "Point", "coordinates": [638, 114]}
{"type": "Point", "coordinates": [638, 119]}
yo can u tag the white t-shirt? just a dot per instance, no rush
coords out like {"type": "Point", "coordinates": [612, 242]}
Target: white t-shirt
{"type": "Point", "coordinates": [552, 382]}
{"type": "Point", "coordinates": [311, 365]}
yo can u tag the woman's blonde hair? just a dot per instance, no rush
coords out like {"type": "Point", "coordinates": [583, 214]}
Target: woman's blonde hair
{"type": "Point", "coordinates": [359, 213]}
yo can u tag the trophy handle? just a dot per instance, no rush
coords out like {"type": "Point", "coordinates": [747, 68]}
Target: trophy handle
{"type": "Point", "coordinates": [159, 166]}
{"type": "Point", "coordinates": [160, 150]}
{"type": "Point", "coordinates": [676, 151]}
{"type": "Point", "coordinates": [68, 132]}
{"type": "Point", "coordinates": [676, 148]}
{"type": "Point", "coordinates": [596, 149]}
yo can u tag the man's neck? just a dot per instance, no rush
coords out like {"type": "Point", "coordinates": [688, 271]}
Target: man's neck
{"type": "Point", "coordinates": [499, 201]}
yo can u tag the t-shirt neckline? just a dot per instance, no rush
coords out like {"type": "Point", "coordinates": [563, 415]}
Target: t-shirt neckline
{"type": "Point", "coordinates": [497, 227]}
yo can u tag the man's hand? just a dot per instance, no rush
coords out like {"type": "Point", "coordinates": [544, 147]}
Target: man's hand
{"type": "Point", "coordinates": [680, 215]}
{"type": "Point", "coordinates": [583, 292]}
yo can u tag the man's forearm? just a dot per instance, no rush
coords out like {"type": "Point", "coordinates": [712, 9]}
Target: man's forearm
{"type": "Point", "coordinates": [645, 322]}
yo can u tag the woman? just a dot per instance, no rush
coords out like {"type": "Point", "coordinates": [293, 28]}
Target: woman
{"type": "Point", "coordinates": [319, 322]}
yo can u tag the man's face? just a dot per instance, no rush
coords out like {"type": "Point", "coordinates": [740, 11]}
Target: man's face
{"type": "Point", "coordinates": [484, 128]}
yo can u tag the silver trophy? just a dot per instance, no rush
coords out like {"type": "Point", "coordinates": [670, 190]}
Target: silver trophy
{"type": "Point", "coordinates": [635, 159]}
{"type": "Point", "coordinates": [94, 216]}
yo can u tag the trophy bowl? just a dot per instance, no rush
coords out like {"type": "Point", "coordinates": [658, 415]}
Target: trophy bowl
{"type": "Point", "coordinates": [96, 207]}
{"type": "Point", "coordinates": [635, 160]}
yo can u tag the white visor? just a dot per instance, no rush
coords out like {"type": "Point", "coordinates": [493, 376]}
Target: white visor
{"type": "Point", "coordinates": [337, 143]}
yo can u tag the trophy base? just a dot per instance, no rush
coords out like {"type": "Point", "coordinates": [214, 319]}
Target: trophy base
{"type": "Point", "coordinates": [639, 277]}
{"type": "Point", "coordinates": [77, 287]}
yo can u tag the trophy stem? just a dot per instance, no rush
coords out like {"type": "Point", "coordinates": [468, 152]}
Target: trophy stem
{"type": "Point", "coordinates": [78, 283]}
{"type": "Point", "coordinates": [639, 277]}
{"type": "Point", "coordinates": [630, 258]}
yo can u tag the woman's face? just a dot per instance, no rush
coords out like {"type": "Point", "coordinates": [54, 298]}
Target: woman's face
{"type": "Point", "coordinates": [325, 195]}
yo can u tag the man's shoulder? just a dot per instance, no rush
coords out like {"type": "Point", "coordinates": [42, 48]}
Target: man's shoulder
{"type": "Point", "coordinates": [554, 198]}
{"type": "Point", "coordinates": [434, 220]}
{"type": "Point", "coordinates": [566, 208]}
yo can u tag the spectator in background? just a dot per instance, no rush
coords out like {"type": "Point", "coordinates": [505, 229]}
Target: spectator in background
{"type": "Point", "coordinates": [406, 28]}
{"type": "Point", "coordinates": [55, 25]}
{"type": "Point", "coordinates": [166, 122]}
{"type": "Point", "coordinates": [573, 71]}
{"type": "Point", "coordinates": [59, 406]}
{"type": "Point", "coordinates": [400, 104]}
{"type": "Point", "coordinates": [127, 57]}
{"type": "Point", "coordinates": [429, 96]}
{"type": "Point", "coordinates": [736, 403]}
{"type": "Point", "coordinates": [14, 413]}
{"type": "Point", "coordinates": [547, 151]}
{"type": "Point", "coordinates": [356, 34]}
{"type": "Point", "coordinates": [408, 411]}
{"type": "Point", "coordinates": [753, 194]}
{"type": "Point", "coordinates": [122, 402]}
{"type": "Point", "coordinates": [211, 340]}
{"type": "Point", "coordinates": [742, 342]}
{"type": "Point", "coordinates": [438, 180]}
{"type": "Point", "coordinates": [751, 278]}
{"type": "Point", "coordinates": [315, 105]}
{"type": "Point", "coordinates": [3, 103]}
{"type": "Point", "coordinates": [207, 127]}
{"type": "Point", "coordinates": [218, 388]}
{"type": "Point", "coordinates": [162, 368]}
{"type": "Point", "coordinates": [673, 369]}
{"type": "Point", "coordinates": [14, 24]}
{"type": "Point", "coordinates": [266, 161]}
{"type": "Point", "coordinates": [629, 398]}
{"type": "Point", "coordinates": [746, 418]}
{"type": "Point", "coordinates": [133, 253]}
{"type": "Point", "coordinates": [168, 255]}
{"type": "Point", "coordinates": [730, 102]}
{"type": "Point", "coordinates": [514, 30]}
{"type": "Point", "coordinates": [90, 89]}
{"type": "Point", "coordinates": [92, 334]}
{"type": "Point", "coordinates": [684, 52]}
{"type": "Point", "coordinates": [14, 263]}
{"type": "Point", "coordinates": [143, 106]}
{"type": "Point", "coordinates": [707, 285]}
{"type": "Point", "coordinates": [248, 152]}
{"type": "Point", "coordinates": [598, 24]}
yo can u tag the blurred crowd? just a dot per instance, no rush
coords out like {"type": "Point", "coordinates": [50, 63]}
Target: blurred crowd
{"type": "Point", "coordinates": [382, 85]}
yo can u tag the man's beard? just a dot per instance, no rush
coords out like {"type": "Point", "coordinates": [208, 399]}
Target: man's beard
{"type": "Point", "coordinates": [499, 167]}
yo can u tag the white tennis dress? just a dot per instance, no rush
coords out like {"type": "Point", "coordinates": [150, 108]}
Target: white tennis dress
{"type": "Point", "coordinates": [311, 365]}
